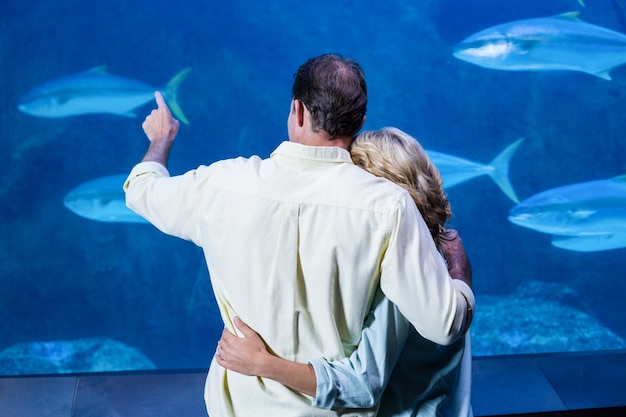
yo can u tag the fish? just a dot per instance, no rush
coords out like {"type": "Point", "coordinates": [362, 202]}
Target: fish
{"type": "Point", "coordinates": [585, 217]}
{"type": "Point", "coordinates": [561, 42]}
{"type": "Point", "coordinates": [102, 200]}
{"type": "Point", "coordinates": [455, 170]}
{"type": "Point", "coordinates": [97, 91]}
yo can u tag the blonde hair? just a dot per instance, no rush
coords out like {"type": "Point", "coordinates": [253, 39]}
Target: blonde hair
{"type": "Point", "coordinates": [397, 156]}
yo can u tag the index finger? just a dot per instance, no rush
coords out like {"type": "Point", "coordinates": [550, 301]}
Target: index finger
{"type": "Point", "coordinates": [160, 100]}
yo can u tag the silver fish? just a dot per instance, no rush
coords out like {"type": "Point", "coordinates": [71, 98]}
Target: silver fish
{"type": "Point", "coordinates": [585, 217]}
{"type": "Point", "coordinates": [562, 42]}
{"type": "Point", "coordinates": [455, 170]}
{"type": "Point", "coordinates": [97, 91]}
{"type": "Point", "coordinates": [102, 200]}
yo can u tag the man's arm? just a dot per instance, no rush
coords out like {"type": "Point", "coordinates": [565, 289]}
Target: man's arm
{"type": "Point", "coordinates": [415, 278]}
{"type": "Point", "coordinates": [164, 201]}
{"type": "Point", "coordinates": [161, 129]}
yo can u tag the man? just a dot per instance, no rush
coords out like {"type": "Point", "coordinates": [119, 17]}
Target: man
{"type": "Point", "coordinates": [428, 379]}
{"type": "Point", "coordinates": [298, 243]}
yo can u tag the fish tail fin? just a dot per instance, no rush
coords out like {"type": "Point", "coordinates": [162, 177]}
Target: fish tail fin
{"type": "Point", "coordinates": [500, 173]}
{"type": "Point", "coordinates": [171, 94]}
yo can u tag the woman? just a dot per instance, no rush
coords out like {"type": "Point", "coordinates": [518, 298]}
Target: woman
{"type": "Point", "coordinates": [409, 374]}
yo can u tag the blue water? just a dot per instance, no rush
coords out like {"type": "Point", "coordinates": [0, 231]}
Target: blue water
{"type": "Point", "coordinates": [64, 277]}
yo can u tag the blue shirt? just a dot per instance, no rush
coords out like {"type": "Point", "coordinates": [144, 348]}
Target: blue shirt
{"type": "Point", "coordinates": [410, 375]}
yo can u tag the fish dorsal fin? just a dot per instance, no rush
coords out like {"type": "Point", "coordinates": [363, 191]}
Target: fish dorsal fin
{"type": "Point", "coordinates": [570, 16]}
{"type": "Point", "coordinates": [620, 178]}
{"type": "Point", "coordinates": [102, 69]}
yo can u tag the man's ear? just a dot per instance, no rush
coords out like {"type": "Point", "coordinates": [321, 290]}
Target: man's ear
{"type": "Point", "coordinates": [299, 111]}
{"type": "Point", "coordinates": [362, 122]}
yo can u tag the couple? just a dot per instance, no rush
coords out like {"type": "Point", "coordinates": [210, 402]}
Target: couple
{"type": "Point", "coordinates": [302, 246]}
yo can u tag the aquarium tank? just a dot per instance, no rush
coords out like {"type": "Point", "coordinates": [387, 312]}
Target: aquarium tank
{"type": "Point", "coordinates": [520, 104]}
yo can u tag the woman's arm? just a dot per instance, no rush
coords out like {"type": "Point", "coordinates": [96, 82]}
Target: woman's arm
{"type": "Point", "coordinates": [249, 356]}
{"type": "Point", "coordinates": [355, 382]}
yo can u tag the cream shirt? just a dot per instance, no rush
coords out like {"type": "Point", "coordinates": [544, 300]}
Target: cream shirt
{"type": "Point", "coordinates": [296, 245]}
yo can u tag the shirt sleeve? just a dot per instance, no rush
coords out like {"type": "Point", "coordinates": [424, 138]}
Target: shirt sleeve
{"type": "Point", "coordinates": [415, 278]}
{"type": "Point", "coordinates": [359, 380]}
{"type": "Point", "coordinates": [166, 202]}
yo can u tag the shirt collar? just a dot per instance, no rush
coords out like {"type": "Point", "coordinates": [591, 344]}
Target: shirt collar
{"type": "Point", "coordinates": [331, 154]}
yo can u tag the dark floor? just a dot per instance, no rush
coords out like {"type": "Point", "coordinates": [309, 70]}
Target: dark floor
{"type": "Point", "coordinates": [563, 385]}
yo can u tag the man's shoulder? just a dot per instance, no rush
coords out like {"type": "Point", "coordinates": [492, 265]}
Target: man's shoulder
{"type": "Point", "coordinates": [236, 162]}
{"type": "Point", "coordinates": [372, 180]}
{"type": "Point", "coordinates": [378, 191]}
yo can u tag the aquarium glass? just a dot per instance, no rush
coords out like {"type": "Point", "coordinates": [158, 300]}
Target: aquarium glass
{"type": "Point", "coordinates": [86, 286]}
